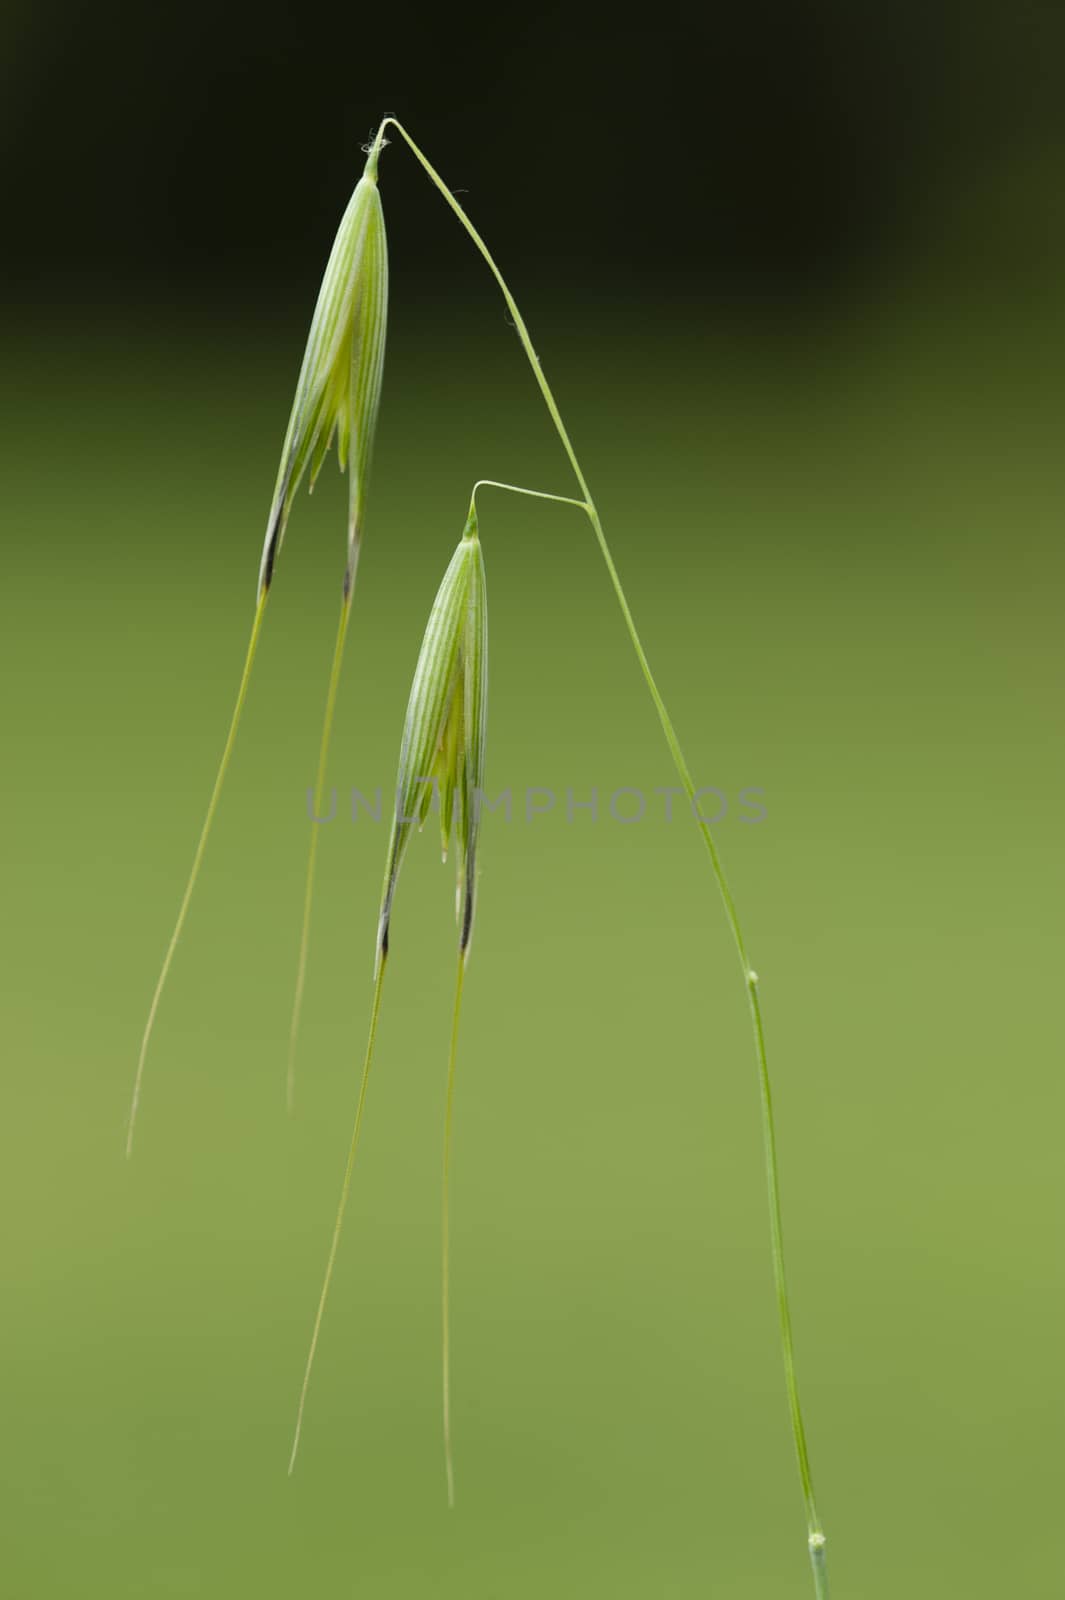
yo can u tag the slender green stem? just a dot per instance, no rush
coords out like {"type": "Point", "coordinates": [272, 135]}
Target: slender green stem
{"type": "Point", "coordinates": [535, 494]}
{"type": "Point", "coordinates": [345, 1190]}
{"type": "Point", "coordinates": [511, 303]}
{"type": "Point", "coordinates": [445, 1299]}
{"type": "Point", "coordinates": [197, 862]}
{"type": "Point", "coordinates": [312, 853]}
{"type": "Point", "coordinates": [816, 1538]}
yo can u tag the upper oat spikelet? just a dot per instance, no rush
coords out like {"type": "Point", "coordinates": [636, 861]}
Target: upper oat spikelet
{"type": "Point", "coordinates": [338, 393]}
{"type": "Point", "coordinates": [339, 387]}
{"type": "Point", "coordinates": [443, 743]}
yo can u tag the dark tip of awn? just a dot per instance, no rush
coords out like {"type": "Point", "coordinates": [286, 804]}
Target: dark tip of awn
{"type": "Point", "coordinates": [352, 562]}
{"type": "Point", "coordinates": [271, 551]}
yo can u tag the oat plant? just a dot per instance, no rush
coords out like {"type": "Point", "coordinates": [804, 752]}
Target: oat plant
{"type": "Point", "coordinates": [442, 751]}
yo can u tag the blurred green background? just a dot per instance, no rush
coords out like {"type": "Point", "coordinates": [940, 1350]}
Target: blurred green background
{"type": "Point", "coordinates": [839, 524]}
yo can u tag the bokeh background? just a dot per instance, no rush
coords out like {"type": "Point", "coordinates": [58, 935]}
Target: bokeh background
{"type": "Point", "coordinates": [798, 275]}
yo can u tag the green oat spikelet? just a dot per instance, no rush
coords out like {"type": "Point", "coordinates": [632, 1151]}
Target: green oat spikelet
{"type": "Point", "coordinates": [442, 752]}
{"type": "Point", "coordinates": [443, 745]}
{"type": "Point", "coordinates": [337, 395]}
{"type": "Point", "coordinates": [338, 392]}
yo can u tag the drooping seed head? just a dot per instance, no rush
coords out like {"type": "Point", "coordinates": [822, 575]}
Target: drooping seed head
{"type": "Point", "coordinates": [339, 388]}
{"type": "Point", "coordinates": [443, 745]}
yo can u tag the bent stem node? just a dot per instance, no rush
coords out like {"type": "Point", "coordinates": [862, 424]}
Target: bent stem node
{"type": "Point", "coordinates": [816, 1537]}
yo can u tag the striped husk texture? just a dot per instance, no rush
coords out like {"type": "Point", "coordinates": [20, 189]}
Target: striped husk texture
{"type": "Point", "coordinates": [443, 746]}
{"type": "Point", "coordinates": [339, 388]}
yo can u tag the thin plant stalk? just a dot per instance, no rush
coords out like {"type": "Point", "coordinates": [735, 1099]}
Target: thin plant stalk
{"type": "Point", "coordinates": [815, 1533]}
{"type": "Point", "coordinates": [312, 851]}
{"type": "Point", "coordinates": [197, 861]}
{"type": "Point", "coordinates": [445, 1225]}
{"type": "Point", "coordinates": [345, 1190]}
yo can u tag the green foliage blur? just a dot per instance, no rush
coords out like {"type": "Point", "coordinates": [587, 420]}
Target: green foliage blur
{"type": "Point", "coordinates": [843, 547]}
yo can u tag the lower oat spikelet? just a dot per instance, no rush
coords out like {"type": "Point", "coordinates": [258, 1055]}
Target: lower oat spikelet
{"type": "Point", "coordinates": [444, 733]}
{"type": "Point", "coordinates": [442, 754]}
